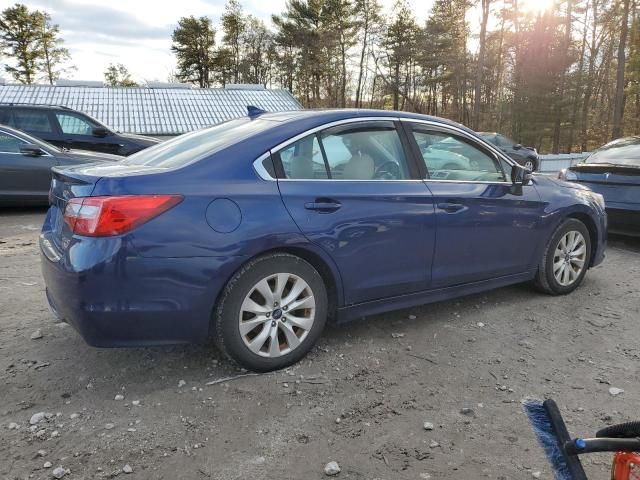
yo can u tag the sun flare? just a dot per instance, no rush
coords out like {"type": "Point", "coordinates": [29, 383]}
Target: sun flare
{"type": "Point", "coordinates": [536, 6]}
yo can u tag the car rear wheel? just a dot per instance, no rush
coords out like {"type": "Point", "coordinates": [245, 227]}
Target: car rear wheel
{"type": "Point", "coordinates": [566, 259]}
{"type": "Point", "coordinates": [271, 312]}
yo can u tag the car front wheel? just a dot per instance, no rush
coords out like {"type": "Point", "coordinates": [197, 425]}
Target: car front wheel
{"type": "Point", "coordinates": [566, 259]}
{"type": "Point", "coordinates": [271, 312]}
{"type": "Point", "coordinates": [530, 165]}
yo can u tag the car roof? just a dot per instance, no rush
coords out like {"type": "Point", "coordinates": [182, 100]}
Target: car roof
{"type": "Point", "coordinates": [328, 115]}
{"type": "Point", "coordinates": [35, 105]}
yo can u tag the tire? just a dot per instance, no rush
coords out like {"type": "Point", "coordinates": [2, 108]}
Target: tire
{"type": "Point", "coordinates": [246, 322]}
{"type": "Point", "coordinates": [532, 163]}
{"type": "Point", "coordinates": [549, 278]}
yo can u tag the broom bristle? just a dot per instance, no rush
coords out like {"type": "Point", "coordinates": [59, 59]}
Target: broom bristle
{"type": "Point", "coordinates": [542, 427]}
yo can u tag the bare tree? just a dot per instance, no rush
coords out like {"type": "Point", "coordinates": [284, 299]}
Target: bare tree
{"type": "Point", "coordinates": [477, 93]}
{"type": "Point", "coordinates": [618, 106]}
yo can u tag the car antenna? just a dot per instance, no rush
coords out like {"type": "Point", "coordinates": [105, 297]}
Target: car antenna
{"type": "Point", "coordinates": [254, 111]}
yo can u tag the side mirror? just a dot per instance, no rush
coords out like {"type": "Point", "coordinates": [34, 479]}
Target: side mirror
{"type": "Point", "coordinates": [31, 150]}
{"type": "Point", "coordinates": [520, 176]}
{"type": "Point", "coordinates": [99, 132]}
{"type": "Point", "coordinates": [517, 146]}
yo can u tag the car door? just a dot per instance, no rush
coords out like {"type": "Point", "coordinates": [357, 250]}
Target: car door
{"type": "Point", "coordinates": [352, 190]}
{"type": "Point", "coordinates": [485, 227]}
{"type": "Point", "coordinates": [23, 176]}
{"type": "Point", "coordinates": [77, 132]}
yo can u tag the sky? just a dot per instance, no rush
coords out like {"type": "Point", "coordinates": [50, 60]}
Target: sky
{"type": "Point", "coordinates": [137, 33]}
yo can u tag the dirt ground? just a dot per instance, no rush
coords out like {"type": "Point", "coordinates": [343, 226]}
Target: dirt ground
{"type": "Point", "coordinates": [360, 398]}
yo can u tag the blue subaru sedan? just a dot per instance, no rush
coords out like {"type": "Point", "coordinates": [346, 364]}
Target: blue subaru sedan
{"type": "Point", "coordinates": [258, 231]}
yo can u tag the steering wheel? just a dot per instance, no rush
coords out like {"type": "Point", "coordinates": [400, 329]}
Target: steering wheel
{"type": "Point", "coordinates": [389, 170]}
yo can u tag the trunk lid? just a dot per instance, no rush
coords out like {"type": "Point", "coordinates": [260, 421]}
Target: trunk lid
{"type": "Point", "coordinates": [619, 184]}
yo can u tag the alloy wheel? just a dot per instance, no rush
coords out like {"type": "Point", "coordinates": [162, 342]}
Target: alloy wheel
{"type": "Point", "coordinates": [569, 258]}
{"type": "Point", "coordinates": [529, 165]}
{"type": "Point", "coordinates": [277, 315]}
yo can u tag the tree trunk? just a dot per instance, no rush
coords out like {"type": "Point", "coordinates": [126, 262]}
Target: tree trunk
{"type": "Point", "coordinates": [477, 94]}
{"type": "Point", "coordinates": [618, 105]}
{"type": "Point", "coordinates": [558, 110]}
{"type": "Point", "coordinates": [365, 39]}
{"type": "Point", "coordinates": [396, 85]}
{"type": "Point", "coordinates": [578, 89]}
{"type": "Point", "coordinates": [343, 86]}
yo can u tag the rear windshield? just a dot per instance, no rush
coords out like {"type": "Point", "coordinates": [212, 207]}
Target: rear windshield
{"type": "Point", "coordinates": [625, 151]}
{"type": "Point", "coordinates": [190, 147]}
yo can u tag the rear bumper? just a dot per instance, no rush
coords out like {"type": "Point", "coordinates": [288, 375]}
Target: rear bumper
{"type": "Point", "coordinates": [113, 297]}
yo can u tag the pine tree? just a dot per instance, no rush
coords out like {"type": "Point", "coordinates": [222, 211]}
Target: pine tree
{"type": "Point", "coordinates": [233, 28]}
{"type": "Point", "coordinates": [55, 56]}
{"type": "Point", "coordinates": [117, 75]}
{"type": "Point", "coordinates": [21, 40]}
{"type": "Point", "coordinates": [193, 44]}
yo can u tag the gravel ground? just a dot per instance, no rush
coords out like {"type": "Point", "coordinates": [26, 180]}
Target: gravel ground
{"type": "Point", "coordinates": [361, 398]}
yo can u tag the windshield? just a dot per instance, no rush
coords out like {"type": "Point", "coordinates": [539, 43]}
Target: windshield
{"type": "Point", "coordinates": [190, 147]}
{"type": "Point", "coordinates": [624, 151]}
{"type": "Point", "coordinates": [488, 137]}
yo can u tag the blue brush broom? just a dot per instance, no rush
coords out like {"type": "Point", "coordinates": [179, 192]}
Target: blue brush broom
{"type": "Point", "coordinates": [553, 437]}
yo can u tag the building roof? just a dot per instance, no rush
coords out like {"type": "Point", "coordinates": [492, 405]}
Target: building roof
{"type": "Point", "coordinates": [154, 111]}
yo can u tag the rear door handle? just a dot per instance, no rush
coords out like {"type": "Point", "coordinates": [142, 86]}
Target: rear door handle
{"type": "Point", "coordinates": [450, 207]}
{"type": "Point", "coordinates": [323, 205]}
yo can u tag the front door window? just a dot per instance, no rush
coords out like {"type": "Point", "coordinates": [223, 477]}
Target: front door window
{"type": "Point", "coordinates": [10, 144]}
{"type": "Point", "coordinates": [74, 125]}
{"type": "Point", "coordinates": [448, 157]}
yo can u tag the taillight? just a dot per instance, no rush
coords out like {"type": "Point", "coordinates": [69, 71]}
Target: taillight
{"type": "Point", "coordinates": [105, 216]}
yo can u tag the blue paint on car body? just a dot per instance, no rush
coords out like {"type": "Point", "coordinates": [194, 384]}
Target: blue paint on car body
{"type": "Point", "coordinates": [223, 215]}
{"type": "Point", "coordinates": [385, 245]}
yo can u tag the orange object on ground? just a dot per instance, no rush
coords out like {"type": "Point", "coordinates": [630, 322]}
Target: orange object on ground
{"type": "Point", "coordinates": [626, 466]}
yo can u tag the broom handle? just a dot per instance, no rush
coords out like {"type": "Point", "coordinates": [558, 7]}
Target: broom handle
{"type": "Point", "coordinates": [591, 445]}
{"type": "Point", "coordinates": [560, 430]}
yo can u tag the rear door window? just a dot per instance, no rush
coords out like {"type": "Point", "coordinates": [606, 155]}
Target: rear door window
{"type": "Point", "coordinates": [303, 160]}
{"type": "Point", "coordinates": [365, 153]}
{"type": "Point", "coordinates": [370, 151]}
{"type": "Point", "coordinates": [32, 120]}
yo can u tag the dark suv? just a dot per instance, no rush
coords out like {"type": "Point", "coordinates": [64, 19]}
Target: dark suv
{"type": "Point", "coordinates": [69, 128]}
{"type": "Point", "coordinates": [525, 156]}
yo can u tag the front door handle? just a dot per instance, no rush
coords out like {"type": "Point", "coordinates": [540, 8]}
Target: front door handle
{"type": "Point", "coordinates": [323, 205]}
{"type": "Point", "coordinates": [450, 207]}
